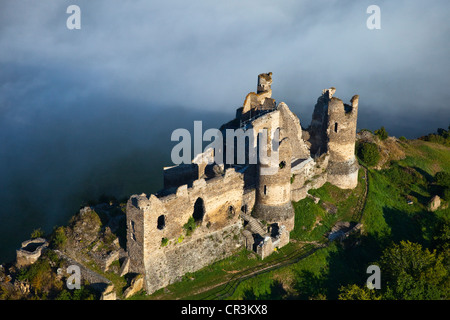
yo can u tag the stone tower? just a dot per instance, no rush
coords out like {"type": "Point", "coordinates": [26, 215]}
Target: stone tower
{"type": "Point", "coordinates": [341, 132]}
{"type": "Point", "coordinates": [273, 189]}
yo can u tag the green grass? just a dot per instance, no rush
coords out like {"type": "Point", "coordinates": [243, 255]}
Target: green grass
{"type": "Point", "coordinates": [312, 221]}
{"type": "Point", "coordinates": [428, 156]}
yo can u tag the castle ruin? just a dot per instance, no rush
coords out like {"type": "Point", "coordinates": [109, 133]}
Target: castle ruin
{"type": "Point", "coordinates": [235, 205]}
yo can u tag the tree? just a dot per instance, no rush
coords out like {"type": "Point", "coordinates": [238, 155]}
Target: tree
{"type": "Point", "coordinates": [368, 153]}
{"type": "Point", "coordinates": [408, 272]}
{"type": "Point", "coordinates": [353, 292]}
{"type": "Point", "coordinates": [37, 233]}
{"type": "Point", "coordinates": [381, 133]}
{"type": "Point", "coordinates": [411, 273]}
{"type": "Point", "coordinates": [442, 178]}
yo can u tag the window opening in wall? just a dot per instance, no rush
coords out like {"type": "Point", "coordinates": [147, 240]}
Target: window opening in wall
{"type": "Point", "coordinates": [231, 212]}
{"type": "Point", "coordinates": [199, 210]}
{"type": "Point", "coordinates": [161, 222]}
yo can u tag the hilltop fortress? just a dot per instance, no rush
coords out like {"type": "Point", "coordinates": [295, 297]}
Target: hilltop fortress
{"type": "Point", "coordinates": [227, 207]}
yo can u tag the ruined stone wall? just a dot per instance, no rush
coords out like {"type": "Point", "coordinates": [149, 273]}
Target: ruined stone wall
{"type": "Point", "coordinates": [214, 203]}
{"type": "Point", "coordinates": [167, 266]}
{"type": "Point", "coordinates": [178, 175]}
{"type": "Point", "coordinates": [273, 200]}
{"type": "Point", "coordinates": [318, 128]}
{"type": "Point", "coordinates": [261, 100]}
{"type": "Point", "coordinates": [158, 245]}
{"type": "Point", "coordinates": [341, 131]}
{"type": "Point", "coordinates": [290, 127]}
{"type": "Point", "coordinates": [309, 175]}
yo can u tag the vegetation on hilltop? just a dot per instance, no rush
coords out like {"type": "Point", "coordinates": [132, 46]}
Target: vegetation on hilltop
{"type": "Point", "coordinates": [442, 136]}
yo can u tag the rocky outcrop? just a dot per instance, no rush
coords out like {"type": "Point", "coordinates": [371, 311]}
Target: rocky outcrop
{"type": "Point", "coordinates": [434, 203]}
{"type": "Point", "coordinates": [137, 284]}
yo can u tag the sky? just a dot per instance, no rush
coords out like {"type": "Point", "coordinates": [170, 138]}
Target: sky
{"type": "Point", "coordinates": [90, 111]}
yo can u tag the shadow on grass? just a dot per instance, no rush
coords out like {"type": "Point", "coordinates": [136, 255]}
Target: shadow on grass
{"type": "Point", "coordinates": [276, 292]}
{"type": "Point", "coordinates": [346, 265]}
{"type": "Point", "coordinates": [403, 226]}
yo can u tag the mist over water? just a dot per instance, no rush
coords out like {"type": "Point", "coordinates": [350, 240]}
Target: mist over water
{"type": "Point", "coordinates": [51, 167]}
{"type": "Point", "coordinates": [89, 112]}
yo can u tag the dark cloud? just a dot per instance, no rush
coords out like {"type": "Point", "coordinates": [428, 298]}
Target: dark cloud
{"type": "Point", "coordinates": [90, 111]}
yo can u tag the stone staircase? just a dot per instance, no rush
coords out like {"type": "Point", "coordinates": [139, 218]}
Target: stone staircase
{"type": "Point", "coordinates": [254, 225]}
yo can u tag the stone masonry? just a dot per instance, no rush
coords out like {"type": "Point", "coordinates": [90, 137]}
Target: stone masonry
{"type": "Point", "coordinates": [208, 211]}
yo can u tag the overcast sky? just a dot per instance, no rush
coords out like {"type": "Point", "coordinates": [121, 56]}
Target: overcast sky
{"type": "Point", "coordinates": [207, 54]}
{"type": "Point", "coordinates": [75, 100]}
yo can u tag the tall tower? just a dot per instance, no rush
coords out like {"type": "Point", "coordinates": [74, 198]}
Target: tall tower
{"type": "Point", "coordinates": [341, 132]}
{"type": "Point", "coordinates": [273, 190]}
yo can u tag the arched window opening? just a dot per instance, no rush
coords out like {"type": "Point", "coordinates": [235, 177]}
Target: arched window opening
{"type": "Point", "coordinates": [199, 210]}
{"type": "Point", "coordinates": [335, 127]}
{"type": "Point", "coordinates": [161, 222]}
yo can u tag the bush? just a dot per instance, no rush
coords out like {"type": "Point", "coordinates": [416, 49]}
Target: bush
{"type": "Point", "coordinates": [403, 176]}
{"type": "Point", "coordinates": [446, 195]}
{"type": "Point", "coordinates": [37, 233]}
{"type": "Point", "coordinates": [402, 139]}
{"type": "Point", "coordinates": [442, 137]}
{"type": "Point", "coordinates": [368, 153]}
{"type": "Point", "coordinates": [59, 238]}
{"type": "Point", "coordinates": [79, 294]}
{"type": "Point", "coordinates": [190, 226]}
{"type": "Point", "coordinates": [164, 242]}
{"type": "Point", "coordinates": [442, 178]}
{"type": "Point", "coordinates": [381, 133]}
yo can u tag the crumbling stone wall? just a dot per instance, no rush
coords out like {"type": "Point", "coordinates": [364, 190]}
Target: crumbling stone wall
{"type": "Point", "coordinates": [273, 193]}
{"type": "Point", "coordinates": [309, 174]}
{"type": "Point", "coordinates": [341, 131]}
{"type": "Point", "coordinates": [290, 128]}
{"type": "Point", "coordinates": [219, 199]}
{"type": "Point", "coordinates": [214, 204]}
{"type": "Point", "coordinates": [261, 100]}
{"type": "Point", "coordinates": [333, 131]}
{"type": "Point", "coordinates": [166, 266]}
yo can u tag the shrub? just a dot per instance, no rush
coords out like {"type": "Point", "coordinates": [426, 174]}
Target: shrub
{"type": "Point", "coordinates": [381, 133]}
{"type": "Point", "coordinates": [164, 242]}
{"type": "Point", "coordinates": [402, 139]}
{"type": "Point", "coordinates": [190, 226]}
{"type": "Point", "coordinates": [442, 137]}
{"type": "Point", "coordinates": [79, 294]}
{"type": "Point", "coordinates": [59, 238]}
{"type": "Point", "coordinates": [37, 233]}
{"type": "Point", "coordinates": [446, 195]}
{"type": "Point", "coordinates": [442, 178]}
{"type": "Point", "coordinates": [368, 153]}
